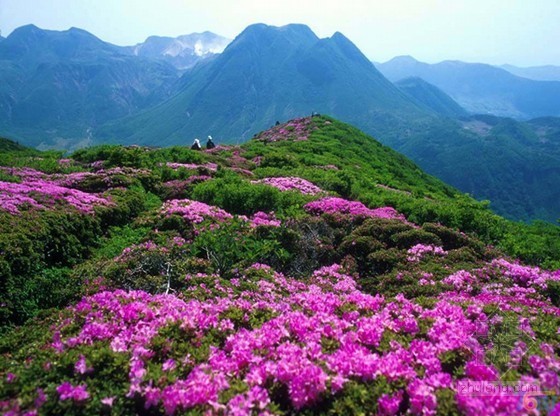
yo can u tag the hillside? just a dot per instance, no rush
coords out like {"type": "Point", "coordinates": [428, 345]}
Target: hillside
{"type": "Point", "coordinates": [492, 158]}
{"type": "Point", "coordinates": [481, 88]}
{"type": "Point", "coordinates": [275, 73]}
{"type": "Point", "coordinates": [311, 270]}
{"type": "Point", "coordinates": [7, 145]}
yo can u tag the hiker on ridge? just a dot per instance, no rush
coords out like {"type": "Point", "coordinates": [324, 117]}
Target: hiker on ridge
{"type": "Point", "coordinates": [196, 145]}
{"type": "Point", "coordinates": [210, 143]}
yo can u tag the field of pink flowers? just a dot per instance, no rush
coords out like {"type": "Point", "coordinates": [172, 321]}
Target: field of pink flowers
{"type": "Point", "coordinates": [265, 343]}
{"type": "Point", "coordinates": [210, 292]}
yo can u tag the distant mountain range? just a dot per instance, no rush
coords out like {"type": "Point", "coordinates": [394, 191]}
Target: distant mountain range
{"type": "Point", "coordinates": [182, 52]}
{"type": "Point", "coordinates": [481, 88]}
{"type": "Point", "coordinates": [538, 73]}
{"type": "Point", "coordinates": [67, 89]}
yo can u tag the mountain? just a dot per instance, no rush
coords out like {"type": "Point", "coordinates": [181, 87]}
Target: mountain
{"type": "Point", "coordinates": [183, 52]}
{"type": "Point", "coordinates": [538, 73]}
{"type": "Point", "coordinates": [57, 86]}
{"type": "Point", "coordinates": [430, 96]}
{"type": "Point", "coordinates": [481, 88]}
{"type": "Point", "coordinates": [267, 74]}
{"type": "Point", "coordinates": [311, 270]}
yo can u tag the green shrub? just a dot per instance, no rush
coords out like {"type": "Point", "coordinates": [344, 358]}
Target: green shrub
{"type": "Point", "coordinates": [409, 238]}
{"type": "Point", "coordinates": [237, 196]}
{"type": "Point", "coordinates": [234, 245]}
{"type": "Point", "coordinates": [383, 261]}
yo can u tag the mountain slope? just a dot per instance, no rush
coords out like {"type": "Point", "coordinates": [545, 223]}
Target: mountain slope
{"type": "Point", "coordinates": [183, 52]}
{"type": "Point", "coordinates": [431, 97]}
{"type": "Point", "coordinates": [310, 271]}
{"type": "Point", "coordinates": [7, 145]}
{"type": "Point", "coordinates": [493, 158]}
{"type": "Point", "coordinates": [57, 86]}
{"type": "Point", "coordinates": [481, 88]}
{"type": "Point", "coordinates": [268, 74]}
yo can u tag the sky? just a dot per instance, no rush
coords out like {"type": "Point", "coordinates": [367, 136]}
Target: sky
{"type": "Point", "coordinates": [517, 32]}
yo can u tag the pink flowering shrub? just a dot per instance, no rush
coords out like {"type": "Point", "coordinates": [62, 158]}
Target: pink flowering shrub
{"type": "Point", "coordinates": [229, 346]}
{"type": "Point", "coordinates": [193, 211]}
{"type": "Point", "coordinates": [291, 183]}
{"type": "Point", "coordinates": [296, 130]}
{"type": "Point", "coordinates": [260, 219]}
{"type": "Point", "coordinates": [334, 205]}
{"type": "Point", "coordinates": [196, 212]}
{"type": "Point", "coordinates": [67, 391]}
{"type": "Point", "coordinates": [525, 276]}
{"type": "Point", "coordinates": [101, 179]}
{"type": "Point", "coordinates": [289, 348]}
{"type": "Point", "coordinates": [192, 166]}
{"type": "Point", "coordinates": [38, 193]}
{"type": "Point", "coordinates": [416, 253]}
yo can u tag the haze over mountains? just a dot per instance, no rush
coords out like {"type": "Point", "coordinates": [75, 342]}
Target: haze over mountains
{"type": "Point", "coordinates": [431, 97]}
{"type": "Point", "coordinates": [539, 73]}
{"type": "Point", "coordinates": [66, 89]}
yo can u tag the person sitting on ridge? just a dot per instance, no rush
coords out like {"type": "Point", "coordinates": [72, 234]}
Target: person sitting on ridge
{"type": "Point", "coordinates": [210, 144]}
{"type": "Point", "coordinates": [196, 145]}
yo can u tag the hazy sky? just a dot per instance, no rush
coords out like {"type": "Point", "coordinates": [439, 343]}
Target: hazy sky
{"type": "Point", "coordinates": [520, 32]}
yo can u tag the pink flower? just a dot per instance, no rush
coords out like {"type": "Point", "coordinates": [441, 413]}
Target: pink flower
{"type": "Point", "coordinates": [81, 366]}
{"type": "Point", "coordinates": [334, 205]}
{"type": "Point", "coordinates": [169, 365]}
{"type": "Point", "coordinates": [67, 391]}
{"type": "Point", "coordinates": [194, 211]}
{"type": "Point", "coordinates": [108, 401]}
{"type": "Point", "coordinates": [291, 183]}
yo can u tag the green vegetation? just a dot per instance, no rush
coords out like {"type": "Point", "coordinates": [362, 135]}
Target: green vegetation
{"type": "Point", "coordinates": [194, 260]}
{"type": "Point", "coordinates": [336, 157]}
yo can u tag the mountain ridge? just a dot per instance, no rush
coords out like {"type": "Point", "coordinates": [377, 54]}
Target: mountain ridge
{"type": "Point", "coordinates": [61, 84]}
{"type": "Point", "coordinates": [537, 73]}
